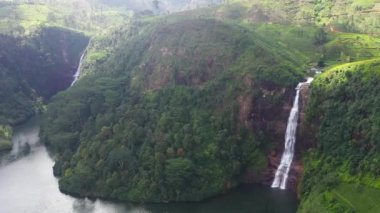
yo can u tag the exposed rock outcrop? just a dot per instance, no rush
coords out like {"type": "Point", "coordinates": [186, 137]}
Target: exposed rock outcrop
{"type": "Point", "coordinates": [305, 140]}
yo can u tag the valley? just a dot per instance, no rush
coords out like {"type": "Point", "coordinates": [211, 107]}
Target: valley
{"type": "Point", "coordinates": [185, 101]}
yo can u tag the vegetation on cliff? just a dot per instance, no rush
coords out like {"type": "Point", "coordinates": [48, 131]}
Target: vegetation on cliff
{"type": "Point", "coordinates": [179, 107]}
{"type": "Point", "coordinates": [163, 96]}
{"type": "Point", "coordinates": [168, 116]}
{"type": "Point", "coordinates": [20, 17]}
{"type": "Point", "coordinates": [35, 67]}
{"type": "Point", "coordinates": [344, 108]}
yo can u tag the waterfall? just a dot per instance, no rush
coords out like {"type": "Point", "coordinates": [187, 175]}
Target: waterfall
{"type": "Point", "coordinates": [77, 73]}
{"type": "Point", "coordinates": [282, 172]}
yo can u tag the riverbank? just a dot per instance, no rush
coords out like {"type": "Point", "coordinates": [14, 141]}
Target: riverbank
{"type": "Point", "coordinates": [28, 185]}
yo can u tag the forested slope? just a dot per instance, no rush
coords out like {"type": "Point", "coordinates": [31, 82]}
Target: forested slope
{"type": "Point", "coordinates": [168, 116]}
{"type": "Point", "coordinates": [162, 96]}
{"type": "Point", "coordinates": [36, 66]}
{"type": "Point", "coordinates": [342, 173]}
{"type": "Point", "coordinates": [185, 106]}
{"type": "Point", "coordinates": [339, 15]}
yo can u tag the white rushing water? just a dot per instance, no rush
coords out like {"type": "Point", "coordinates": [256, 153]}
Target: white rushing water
{"type": "Point", "coordinates": [77, 73]}
{"type": "Point", "coordinates": [282, 172]}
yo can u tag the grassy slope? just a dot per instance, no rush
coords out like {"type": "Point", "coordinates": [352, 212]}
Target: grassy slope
{"type": "Point", "coordinates": [21, 18]}
{"type": "Point", "coordinates": [298, 38]}
{"type": "Point", "coordinates": [344, 197]}
{"type": "Point", "coordinates": [342, 174]}
{"type": "Point", "coordinates": [348, 47]}
{"type": "Point", "coordinates": [358, 197]}
{"type": "Point", "coordinates": [354, 16]}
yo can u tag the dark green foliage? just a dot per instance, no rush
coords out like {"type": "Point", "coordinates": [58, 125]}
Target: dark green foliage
{"type": "Point", "coordinates": [344, 103]}
{"type": "Point", "coordinates": [146, 148]}
{"type": "Point", "coordinates": [320, 37]}
{"type": "Point", "coordinates": [60, 50]}
{"type": "Point", "coordinates": [178, 172]}
{"type": "Point", "coordinates": [148, 126]}
{"type": "Point", "coordinates": [39, 65]}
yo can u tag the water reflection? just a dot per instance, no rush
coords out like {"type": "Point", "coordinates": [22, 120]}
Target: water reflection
{"type": "Point", "coordinates": [83, 206]}
{"type": "Point", "coordinates": [27, 184]}
{"type": "Point", "coordinates": [24, 140]}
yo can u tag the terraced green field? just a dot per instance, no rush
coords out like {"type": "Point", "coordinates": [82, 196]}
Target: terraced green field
{"type": "Point", "coordinates": [360, 198]}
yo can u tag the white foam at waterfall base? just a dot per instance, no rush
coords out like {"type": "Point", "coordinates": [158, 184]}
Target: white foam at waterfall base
{"type": "Point", "coordinates": [283, 169]}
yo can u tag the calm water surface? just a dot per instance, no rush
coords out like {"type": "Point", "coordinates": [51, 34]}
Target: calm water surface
{"type": "Point", "coordinates": [27, 185]}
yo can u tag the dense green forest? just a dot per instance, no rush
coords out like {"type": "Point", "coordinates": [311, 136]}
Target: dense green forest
{"type": "Point", "coordinates": [184, 100]}
{"type": "Point", "coordinates": [151, 121]}
{"type": "Point", "coordinates": [34, 68]}
{"type": "Point", "coordinates": [344, 107]}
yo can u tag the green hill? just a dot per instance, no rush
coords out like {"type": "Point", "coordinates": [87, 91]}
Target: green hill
{"type": "Point", "coordinates": [185, 106]}
{"type": "Point", "coordinates": [169, 115]}
{"type": "Point", "coordinates": [163, 95]}
{"type": "Point", "coordinates": [338, 15]}
{"type": "Point", "coordinates": [343, 169]}
{"type": "Point", "coordinates": [20, 17]}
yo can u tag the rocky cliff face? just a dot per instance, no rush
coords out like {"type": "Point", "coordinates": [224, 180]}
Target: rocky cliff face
{"type": "Point", "coordinates": [306, 131]}
{"type": "Point", "coordinates": [305, 138]}
{"type": "Point", "coordinates": [271, 121]}
{"type": "Point", "coordinates": [62, 50]}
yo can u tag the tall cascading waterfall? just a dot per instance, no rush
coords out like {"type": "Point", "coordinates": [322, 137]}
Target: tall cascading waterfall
{"type": "Point", "coordinates": [77, 73]}
{"type": "Point", "coordinates": [283, 169]}
{"type": "Point", "coordinates": [79, 69]}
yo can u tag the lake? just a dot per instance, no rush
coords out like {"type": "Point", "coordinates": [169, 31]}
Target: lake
{"type": "Point", "coordinates": [27, 184]}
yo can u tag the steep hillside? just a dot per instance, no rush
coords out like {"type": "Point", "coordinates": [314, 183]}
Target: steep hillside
{"type": "Point", "coordinates": [185, 106]}
{"type": "Point", "coordinates": [94, 16]}
{"type": "Point", "coordinates": [181, 111]}
{"type": "Point", "coordinates": [339, 15]}
{"type": "Point", "coordinates": [36, 66]}
{"type": "Point", "coordinates": [161, 96]}
{"type": "Point", "coordinates": [19, 17]}
{"type": "Point", "coordinates": [342, 173]}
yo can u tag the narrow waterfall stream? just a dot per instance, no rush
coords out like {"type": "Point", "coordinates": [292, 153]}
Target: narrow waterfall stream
{"type": "Point", "coordinates": [77, 73]}
{"type": "Point", "coordinates": [79, 69]}
{"type": "Point", "coordinates": [283, 169]}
